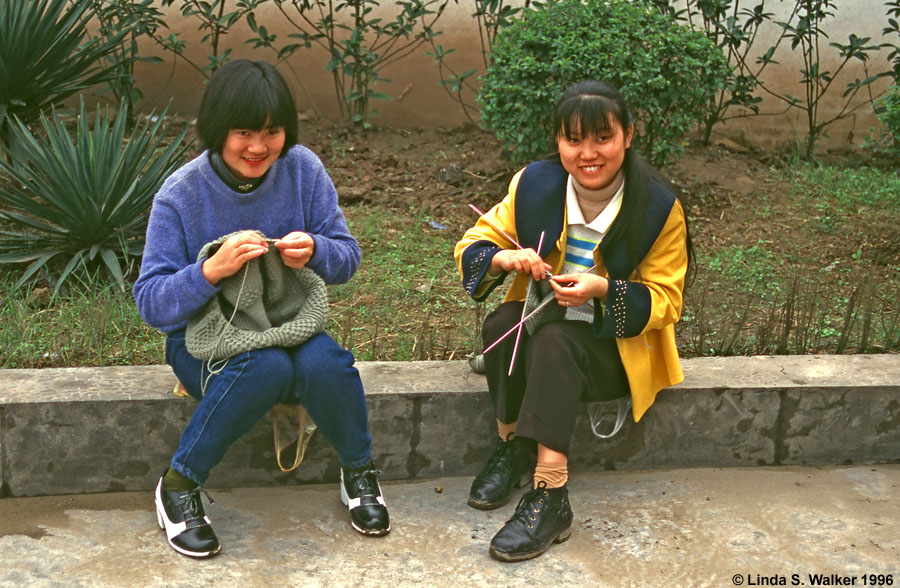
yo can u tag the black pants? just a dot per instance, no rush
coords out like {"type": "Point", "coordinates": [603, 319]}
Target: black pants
{"type": "Point", "coordinates": [558, 366]}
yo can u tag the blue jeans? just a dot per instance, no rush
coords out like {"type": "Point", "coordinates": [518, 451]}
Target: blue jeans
{"type": "Point", "coordinates": [318, 374]}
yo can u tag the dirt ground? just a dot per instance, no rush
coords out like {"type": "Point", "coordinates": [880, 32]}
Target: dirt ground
{"type": "Point", "coordinates": [443, 168]}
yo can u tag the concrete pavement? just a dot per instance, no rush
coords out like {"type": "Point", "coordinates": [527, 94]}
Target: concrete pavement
{"type": "Point", "coordinates": [660, 528]}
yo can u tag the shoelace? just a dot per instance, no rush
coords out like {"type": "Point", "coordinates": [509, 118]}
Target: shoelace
{"type": "Point", "coordinates": [526, 509]}
{"type": "Point", "coordinates": [191, 505]}
{"type": "Point", "coordinates": [366, 483]}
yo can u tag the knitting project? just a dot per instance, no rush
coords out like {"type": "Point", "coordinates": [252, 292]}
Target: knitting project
{"type": "Point", "coordinates": [266, 304]}
{"type": "Point", "coordinates": [541, 298]}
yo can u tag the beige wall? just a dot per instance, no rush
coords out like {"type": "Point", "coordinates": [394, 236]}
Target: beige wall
{"type": "Point", "coordinates": [419, 101]}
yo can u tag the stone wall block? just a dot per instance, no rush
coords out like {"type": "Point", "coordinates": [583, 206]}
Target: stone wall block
{"type": "Point", "coordinates": [686, 428]}
{"type": "Point", "coordinates": [821, 424]}
{"type": "Point", "coordinates": [75, 447]}
{"type": "Point", "coordinates": [456, 433]}
{"type": "Point", "coordinates": [112, 429]}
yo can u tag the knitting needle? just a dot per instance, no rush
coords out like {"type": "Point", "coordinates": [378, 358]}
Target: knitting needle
{"type": "Point", "coordinates": [488, 221]}
{"type": "Point", "coordinates": [547, 273]}
{"type": "Point", "coordinates": [516, 326]}
{"type": "Point", "coordinates": [512, 360]}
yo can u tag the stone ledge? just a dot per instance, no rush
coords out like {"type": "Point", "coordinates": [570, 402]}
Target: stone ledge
{"type": "Point", "coordinates": [75, 430]}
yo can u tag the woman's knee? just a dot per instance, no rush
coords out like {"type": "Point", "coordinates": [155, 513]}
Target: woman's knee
{"type": "Point", "coordinates": [264, 371]}
{"type": "Point", "coordinates": [274, 360]}
{"type": "Point", "coordinates": [551, 342]}
{"type": "Point", "coordinates": [551, 334]}
{"type": "Point", "coordinates": [321, 362]}
{"type": "Point", "coordinates": [321, 353]}
{"type": "Point", "coordinates": [321, 366]}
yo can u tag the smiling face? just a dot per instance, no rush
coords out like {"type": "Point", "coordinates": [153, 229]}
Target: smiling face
{"type": "Point", "coordinates": [595, 158]}
{"type": "Point", "coordinates": [249, 154]}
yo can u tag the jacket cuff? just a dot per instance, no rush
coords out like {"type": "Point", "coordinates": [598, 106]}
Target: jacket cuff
{"type": "Point", "coordinates": [626, 312]}
{"type": "Point", "coordinates": [476, 261]}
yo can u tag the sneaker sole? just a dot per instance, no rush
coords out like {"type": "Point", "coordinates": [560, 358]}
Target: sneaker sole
{"type": "Point", "coordinates": [514, 557]}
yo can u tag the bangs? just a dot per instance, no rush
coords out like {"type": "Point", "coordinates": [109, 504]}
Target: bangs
{"type": "Point", "coordinates": [258, 108]}
{"type": "Point", "coordinates": [249, 95]}
{"type": "Point", "coordinates": [583, 115]}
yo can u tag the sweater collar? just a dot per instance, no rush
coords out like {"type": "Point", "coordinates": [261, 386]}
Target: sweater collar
{"type": "Point", "coordinates": [603, 220]}
{"type": "Point", "coordinates": [244, 187]}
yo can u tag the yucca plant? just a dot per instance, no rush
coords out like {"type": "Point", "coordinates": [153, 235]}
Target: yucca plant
{"type": "Point", "coordinates": [77, 202]}
{"type": "Point", "coordinates": [44, 57]}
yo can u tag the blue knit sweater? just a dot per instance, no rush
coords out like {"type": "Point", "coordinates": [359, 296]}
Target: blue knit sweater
{"type": "Point", "coordinates": [194, 206]}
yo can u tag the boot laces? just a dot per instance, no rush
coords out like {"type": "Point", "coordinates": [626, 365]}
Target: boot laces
{"type": "Point", "coordinates": [530, 505]}
{"type": "Point", "coordinates": [499, 461]}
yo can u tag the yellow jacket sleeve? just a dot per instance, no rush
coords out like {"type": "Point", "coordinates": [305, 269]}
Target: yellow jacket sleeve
{"type": "Point", "coordinates": [474, 252]}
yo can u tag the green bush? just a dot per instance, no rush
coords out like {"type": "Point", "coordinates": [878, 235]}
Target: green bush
{"type": "Point", "coordinates": [82, 200]}
{"type": "Point", "coordinates": [889, 115]}
{"type": "Point", "coordinates": [44, 57]}
{"type": "Point", "coordinates": [667, 73]}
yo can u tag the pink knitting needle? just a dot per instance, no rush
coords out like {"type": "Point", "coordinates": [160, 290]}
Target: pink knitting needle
{"type": "Point", "coordinates": [516, 326]}
{"type": "Point", "coordinates": [512, 360]}
{"type": "Point", "coordinates": [488, 221]}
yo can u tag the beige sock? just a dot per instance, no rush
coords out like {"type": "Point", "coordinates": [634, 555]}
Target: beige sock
{"type": "Point", "coordinates": [554, 475]}
{"type": "Point", "coordinates": [506, 431]}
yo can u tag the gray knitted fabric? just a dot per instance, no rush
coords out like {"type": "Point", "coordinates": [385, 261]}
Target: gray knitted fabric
{"type": "Point", "coordinates": [278, 307]}
{"type": "Point", "coordinates": [541, 293]}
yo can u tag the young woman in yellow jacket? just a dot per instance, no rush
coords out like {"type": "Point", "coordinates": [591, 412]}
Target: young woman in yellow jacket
{"type": "Point", "coordinates": [602, 235]}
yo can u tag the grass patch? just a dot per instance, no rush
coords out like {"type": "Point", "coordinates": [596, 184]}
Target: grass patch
{"type": "Point", "coordinates": [97, 326]}
{"type": "Point", "coordinates": [827, 280]}
{"type": "Point", "coordinates": [847, 188]}
{"type": "Point", "coordinates": [405, 303]}
{"type": "Point", "coordinates": [813, 266]}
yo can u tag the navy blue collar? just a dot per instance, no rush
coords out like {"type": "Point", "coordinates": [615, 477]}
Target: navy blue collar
{"type": "Point", "coordinates": [244, 187]}
{"type": "Point", "coordinates": [541, 207]}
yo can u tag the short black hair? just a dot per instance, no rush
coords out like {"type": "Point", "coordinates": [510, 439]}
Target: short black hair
{"type": "Point", "coordinates": [245, 94]}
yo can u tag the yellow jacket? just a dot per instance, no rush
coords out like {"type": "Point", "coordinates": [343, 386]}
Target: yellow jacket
{"type": "Point", "coordinates": [643, 304]}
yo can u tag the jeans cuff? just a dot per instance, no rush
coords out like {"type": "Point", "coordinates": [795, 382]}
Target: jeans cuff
{"type": "Point", "coordinates": [358, 463]}
{"type": "Point", "coordinates": [188, 473]}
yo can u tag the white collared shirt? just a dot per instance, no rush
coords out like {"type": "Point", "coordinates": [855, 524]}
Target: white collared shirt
{"type": "Point", "coordinates": [583, 238]}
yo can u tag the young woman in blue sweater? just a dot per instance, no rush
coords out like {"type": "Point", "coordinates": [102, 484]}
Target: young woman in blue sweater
{"type": "Point", "coordinates": [252, 178]}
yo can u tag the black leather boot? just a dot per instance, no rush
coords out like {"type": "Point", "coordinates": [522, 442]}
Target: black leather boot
{"type": "Point", "coordinates": [542, 518]}
{"type": "Point", "coordinates": [510, 465]}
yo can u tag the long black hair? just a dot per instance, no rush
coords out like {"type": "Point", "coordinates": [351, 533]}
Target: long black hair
{"type": "Point", "coordinates": [594, 107]}
{"type": "Point", "coordinates": [245, 94]}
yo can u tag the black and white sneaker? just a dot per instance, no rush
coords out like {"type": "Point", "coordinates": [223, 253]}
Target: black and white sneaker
{"type": "Point", "coordinates": [180, 514]}
{"type": "Point", "coordinates": [361, 492]}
